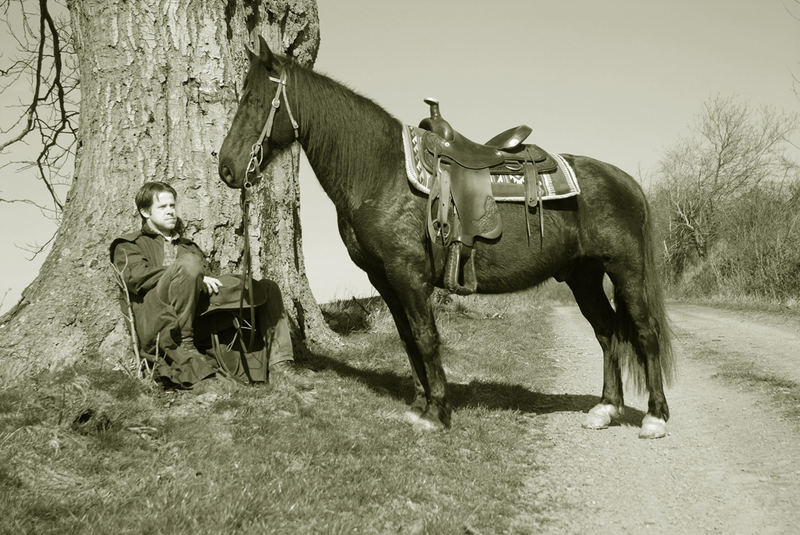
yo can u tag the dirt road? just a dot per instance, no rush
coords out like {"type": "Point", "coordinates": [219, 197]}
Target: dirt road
{"type": "Point", "coordinates": [731, 460]}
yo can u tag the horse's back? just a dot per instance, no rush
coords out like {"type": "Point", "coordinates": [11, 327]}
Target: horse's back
{"type": "Point", "coordinates": [604, 222]}
{"type": "Point", "coordinates": [613, 210]}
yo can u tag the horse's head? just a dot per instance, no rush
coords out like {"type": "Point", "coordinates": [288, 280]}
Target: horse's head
{"type": "Point", "coordinates": [263, 120]}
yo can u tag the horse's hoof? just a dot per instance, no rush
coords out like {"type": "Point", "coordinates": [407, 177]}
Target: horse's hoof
{"type": "Point", "coordinates": [423, 424]}
{"type": "Point", "coordinates": [600, 416]}
{"type": "Point", "coordinates": [653, 427]}
{"type": "Point", "coordinates": [417, 407]}
{"type": "Point", "coordinates": [426, 422]}
{"type": "Point", "coordinates": [411, 416]}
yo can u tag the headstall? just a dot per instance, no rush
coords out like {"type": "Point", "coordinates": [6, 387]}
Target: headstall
{"type": "Point", "coordinates": [254, 168]}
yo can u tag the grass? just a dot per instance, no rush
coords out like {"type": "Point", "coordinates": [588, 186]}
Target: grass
{"type": "Point", "coordinates": [91, 450]}
{"type": "Point", "coordinates": [789, 308]}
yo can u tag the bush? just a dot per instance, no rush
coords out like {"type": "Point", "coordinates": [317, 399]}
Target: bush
{"type": "Point", "coordinates": [756, 253]}
{"type": "Point", "coordinates": [727, 205]}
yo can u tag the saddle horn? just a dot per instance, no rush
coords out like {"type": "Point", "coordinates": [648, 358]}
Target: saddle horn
{"type": "Point", "coordinates": [436, 123]}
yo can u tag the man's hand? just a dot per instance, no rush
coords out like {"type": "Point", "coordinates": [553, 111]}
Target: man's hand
{"type": "Point", "coordinates": [212, 285]}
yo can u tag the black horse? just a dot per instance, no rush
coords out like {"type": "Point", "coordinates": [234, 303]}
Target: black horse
{"type": "Point", "coordinates": [356, 151]}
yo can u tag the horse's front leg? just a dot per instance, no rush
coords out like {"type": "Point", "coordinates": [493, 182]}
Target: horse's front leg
{"type": "Point", "coordinates": [420, 400]}
{"type": "Point", "coordinates": [413, 316]}
{"type": "Point", "coordinates": [423, 345]}
{"type": "Point", "coordinates": [437, 412]}
{"type": "Point", "coordinates": [401, 272]}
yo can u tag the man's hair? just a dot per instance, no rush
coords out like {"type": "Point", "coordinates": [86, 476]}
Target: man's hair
{"type": "Point", "coordinates": [144, 198]}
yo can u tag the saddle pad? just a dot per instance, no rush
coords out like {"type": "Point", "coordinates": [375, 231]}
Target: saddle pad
{"type": "Point", "coordinates": [505, 188]}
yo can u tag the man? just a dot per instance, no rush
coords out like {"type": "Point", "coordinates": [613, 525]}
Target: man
{"type": "Point", "coordinates": [165, 275]}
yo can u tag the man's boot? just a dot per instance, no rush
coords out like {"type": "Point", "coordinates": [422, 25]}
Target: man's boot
{"type": "Point", "coordinates": [188, 365]}
{"type": "Point", "coordinates": [289, 372]}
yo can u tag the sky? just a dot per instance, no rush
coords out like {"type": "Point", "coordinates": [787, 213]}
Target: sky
{"type": "Point", "coordinates": [618, 80]}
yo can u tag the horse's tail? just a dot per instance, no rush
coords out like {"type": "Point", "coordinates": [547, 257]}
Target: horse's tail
{"type": "Point", "coordinates": [626, 333]}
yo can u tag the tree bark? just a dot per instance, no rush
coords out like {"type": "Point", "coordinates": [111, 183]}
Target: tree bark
{"type": "Point", "coordinates": [159, 85]}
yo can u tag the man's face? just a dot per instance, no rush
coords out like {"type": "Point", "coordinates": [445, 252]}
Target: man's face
{"type": "Point", "coordinates": [161, 214]}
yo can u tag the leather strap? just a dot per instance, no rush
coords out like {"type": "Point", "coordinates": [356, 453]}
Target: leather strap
{"type": "Point", "coordinates": [526, 205]}
{"type": "Point", "coordinates": [439, 227]}
{"type": "Point", "coordinates": [274, 105]}
{"type": "Point", "coordinates": [444, 202]}
{"type": "Point", "coordinates": [254, 166]}
{"type": "Point", "coordinates": [530, 170]}
{"type": "Point", "coordinates": [248, 266]}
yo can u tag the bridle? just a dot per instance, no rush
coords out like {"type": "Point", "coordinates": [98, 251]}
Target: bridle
{"type": "Point", "coordinates": [257, 150]}
{"type": "Point", "coordinates": [254, 168]}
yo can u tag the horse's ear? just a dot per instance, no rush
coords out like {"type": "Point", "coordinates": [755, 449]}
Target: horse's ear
{"type": "Point", "coordinates": [264, 53]}
{"type": "Point", "coordinates": [257, 48]}
{"type": "Point", "coordinates": [252, 44]}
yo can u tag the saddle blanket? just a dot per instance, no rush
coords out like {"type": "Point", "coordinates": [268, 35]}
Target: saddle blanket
{"type": "Point", "coordinates": [506, 187]}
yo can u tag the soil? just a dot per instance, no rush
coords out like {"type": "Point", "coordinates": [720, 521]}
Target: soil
{"type": "Point", "coordinates": [730, 462]}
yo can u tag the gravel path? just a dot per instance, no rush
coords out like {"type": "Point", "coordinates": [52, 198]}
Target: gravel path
{"type": "Point", "coordinates": [731, 460]}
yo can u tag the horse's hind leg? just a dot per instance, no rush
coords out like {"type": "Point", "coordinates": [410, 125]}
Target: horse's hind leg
{"type": "Point", "coordinates": [587, 287]}
{"type": "Point", "coordinates": [644, 315]}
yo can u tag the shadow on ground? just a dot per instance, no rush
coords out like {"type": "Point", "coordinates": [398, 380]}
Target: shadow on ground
{"type": "Point", "coordinates": [489, 394]}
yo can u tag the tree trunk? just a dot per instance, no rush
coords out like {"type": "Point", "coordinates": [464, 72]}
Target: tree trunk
{"type": "Point", "coordinates": [159, 84]}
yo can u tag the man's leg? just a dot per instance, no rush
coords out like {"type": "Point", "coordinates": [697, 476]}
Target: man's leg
{"type": "Point", "coordinates": [181, 286]}
{"type": "Point", "coordinates": [169, 310]}
{"type": "Point", "coordinates": [274, 324]}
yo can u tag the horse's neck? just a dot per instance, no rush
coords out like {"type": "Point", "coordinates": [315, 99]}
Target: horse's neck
{"type": "Point", "coordinates": [351, 143]}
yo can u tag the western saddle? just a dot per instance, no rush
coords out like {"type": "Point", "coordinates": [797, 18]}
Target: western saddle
{"type": "Point", "coordinates": [462, 171]}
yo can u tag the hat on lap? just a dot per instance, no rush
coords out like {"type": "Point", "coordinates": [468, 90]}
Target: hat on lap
{"type": "Point", "coordinates": [229, 295]}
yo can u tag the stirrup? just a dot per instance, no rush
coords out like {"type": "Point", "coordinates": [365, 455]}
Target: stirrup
{"type": "Point", "coordinates": [455, 253]}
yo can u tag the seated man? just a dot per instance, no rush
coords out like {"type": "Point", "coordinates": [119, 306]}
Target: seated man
{"type": "Point", "coordinates": [165, 275]}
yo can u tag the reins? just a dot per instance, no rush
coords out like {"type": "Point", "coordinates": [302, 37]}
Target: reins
{"type": "Point", "coordinates": [248, 267]}
{"type": "Point", "coordinates": [254, 168]}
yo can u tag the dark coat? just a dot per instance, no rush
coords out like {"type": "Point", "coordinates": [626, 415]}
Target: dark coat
{"type": "Point", "coordinates": [139, 256]}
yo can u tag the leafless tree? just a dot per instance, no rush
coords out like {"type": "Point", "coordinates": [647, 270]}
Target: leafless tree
{"type": "Point", "coordinates": [158, 85]}
{"type": "Point", "coordinates": [732, 151]}
{"type": "Point", "coordinates": [44, 63]}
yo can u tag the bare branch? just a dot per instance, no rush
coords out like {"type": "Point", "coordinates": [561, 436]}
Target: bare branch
{"type": "Point", "coordinates": [793, 14]}
{"type": "Point", "coordinates": [49, 112]}
{"type": "Point", "coordinates": [706, 177]}
{"type": "Point", "coordinates": [31, 111]}
{"type": "Point", "coordinates": [36, 250]}
{"type": "Point", "coordinates": [47, 212]}
{"type": "Point", "coordinates": [3, 299]}
{"type": "Point", "coordinates": [120, 280]}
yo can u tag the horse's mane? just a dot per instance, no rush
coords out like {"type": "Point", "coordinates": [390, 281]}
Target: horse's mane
{"type": "Point", "coordinates": [346, 126]}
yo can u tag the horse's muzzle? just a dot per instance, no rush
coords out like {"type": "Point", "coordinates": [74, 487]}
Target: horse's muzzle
{"type": "Point", "coordinates": [228, 176]}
